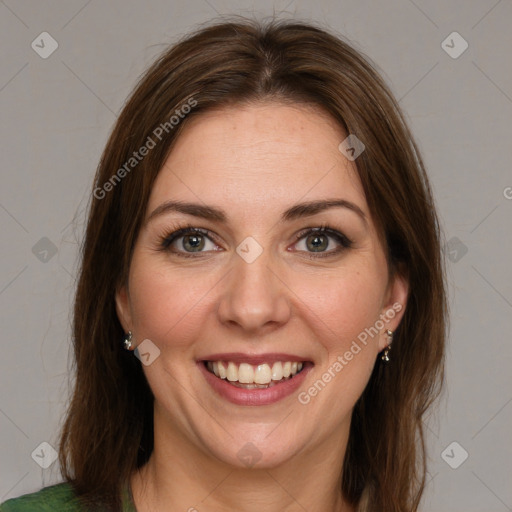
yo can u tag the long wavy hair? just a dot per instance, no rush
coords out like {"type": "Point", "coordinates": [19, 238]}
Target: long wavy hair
{"type": "Point", "coordinates": [108, 430]}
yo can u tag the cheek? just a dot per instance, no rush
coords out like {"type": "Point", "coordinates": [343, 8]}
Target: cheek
{"type": "Point", "coordinates": [343, 306]}
{"type": "Point", "coordinates": [167, 305]}
{"type": "Point", "coordinates": [340, 317]}
{"type": "Point", "coordinates": [172, 308]}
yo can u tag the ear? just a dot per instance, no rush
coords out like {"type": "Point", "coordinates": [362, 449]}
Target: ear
{"type": "Point", "coordinates": [123, 309]}
{"type": "Point", "coordinates": [394, 306]}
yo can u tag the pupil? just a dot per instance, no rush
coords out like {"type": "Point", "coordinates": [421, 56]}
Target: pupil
{"type": "Point", "coordinates": [195, 242]}
{"type": "Point", "coordinates": [319, 243]}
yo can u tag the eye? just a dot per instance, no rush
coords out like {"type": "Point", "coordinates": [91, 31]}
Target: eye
{"type": "Point", "coordinates": [188, 240]}
{"type": "Point", "coordinates": [324, 241]}
{"type": "Point", "coordinates": [317, 242]}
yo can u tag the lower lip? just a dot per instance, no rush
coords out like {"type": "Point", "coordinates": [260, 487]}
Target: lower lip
{"type": "Point", "coordinates": [241, 396]}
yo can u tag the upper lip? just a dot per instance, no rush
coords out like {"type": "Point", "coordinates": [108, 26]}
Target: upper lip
{"type": "Point", "coordinates": [239, 357]}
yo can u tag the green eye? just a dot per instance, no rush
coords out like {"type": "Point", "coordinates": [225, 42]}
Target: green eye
{"type": "Point", "coordinates": [193, 243]}
{"type": "Point", "coordinates": [317, 243]}
{"type": "Point", "coordinates": [322, 240]}
{"type": "Point", "coordinates": [192, 240]}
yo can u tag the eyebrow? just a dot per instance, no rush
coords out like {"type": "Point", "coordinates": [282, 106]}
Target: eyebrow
{"type": "Point", "coordinates": [297, 211]}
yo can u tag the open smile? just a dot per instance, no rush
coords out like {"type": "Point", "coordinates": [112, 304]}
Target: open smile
{"type": "Point", "coordinates": [243, 383]}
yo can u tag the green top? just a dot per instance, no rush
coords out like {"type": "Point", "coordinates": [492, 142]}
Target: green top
{"type": "Point", "coordinates": [59, 497]}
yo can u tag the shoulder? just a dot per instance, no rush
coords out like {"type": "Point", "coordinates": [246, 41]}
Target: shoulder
{"type": "Point", "coordinates": [55, 497]}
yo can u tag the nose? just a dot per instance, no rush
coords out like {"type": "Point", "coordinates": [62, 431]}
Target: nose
{"type": "Point", "coordinates": [253, 297]}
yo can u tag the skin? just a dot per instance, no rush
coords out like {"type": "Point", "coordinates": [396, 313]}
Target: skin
{"type": "Point", "coordinates": [254, 162]}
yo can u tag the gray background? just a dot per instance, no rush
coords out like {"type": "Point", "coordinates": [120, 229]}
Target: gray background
{"type": "Point", "coordinates": [57, 113]}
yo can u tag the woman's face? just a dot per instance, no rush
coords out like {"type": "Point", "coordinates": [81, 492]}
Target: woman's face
{"type": "Point", "coordinates": [255, 289]}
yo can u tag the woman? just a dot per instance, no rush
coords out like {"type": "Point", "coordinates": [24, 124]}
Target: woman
{"type": "Point", "coordinates": [259, 322]}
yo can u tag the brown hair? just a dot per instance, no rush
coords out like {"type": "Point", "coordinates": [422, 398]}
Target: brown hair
{"type": "Point", "coordinates": [108, 430]}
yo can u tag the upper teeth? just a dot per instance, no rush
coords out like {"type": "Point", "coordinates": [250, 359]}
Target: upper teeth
{"type": "Point", "coordinates": [248, 374]}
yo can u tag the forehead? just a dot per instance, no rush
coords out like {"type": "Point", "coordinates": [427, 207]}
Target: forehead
{"type": "Point", "coordinates": [258, 157]}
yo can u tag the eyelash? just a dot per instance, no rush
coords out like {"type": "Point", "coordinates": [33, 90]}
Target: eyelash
{"type": "Point", "coordinates": [187, 229]}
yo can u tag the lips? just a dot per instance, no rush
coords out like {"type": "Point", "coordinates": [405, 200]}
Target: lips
{"type": "Point", "coordinates": [254, 379]}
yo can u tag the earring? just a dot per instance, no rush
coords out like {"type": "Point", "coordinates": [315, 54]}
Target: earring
{"type": "Point", "coordinates": [385, 355]}
{"type": "Point", "coordinates": [127, 342]}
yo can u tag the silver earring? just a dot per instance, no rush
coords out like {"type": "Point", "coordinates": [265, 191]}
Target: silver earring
{"type": "Point", "coordinates": [385, 355]}
{"type": "Point", "coordinates": [127, 342]}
